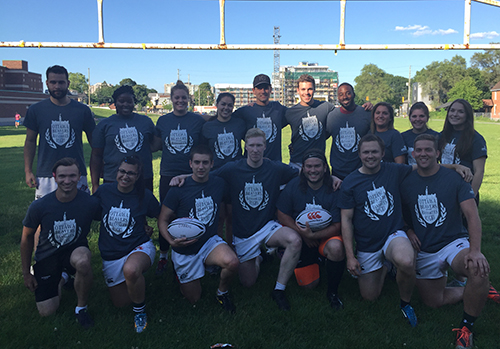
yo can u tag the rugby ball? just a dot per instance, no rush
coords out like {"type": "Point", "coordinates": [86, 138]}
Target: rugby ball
{"type": "Point", "coordinates": [317, 218]}
{"type": "Point", "coordinates": [189, 228]}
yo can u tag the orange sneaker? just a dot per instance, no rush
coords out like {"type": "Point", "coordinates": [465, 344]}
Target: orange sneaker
{"type": "Point", "coordinates": [464, 338]}
{"type": "Point", "coordinates": [493, 295]}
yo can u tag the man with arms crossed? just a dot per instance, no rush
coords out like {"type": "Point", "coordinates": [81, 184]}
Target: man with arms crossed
{"type": "Point", "coordinates": [266, 115]}
{"type": "Point", "coordinates": [60, 122]}
{"type": "Point", "coordinates": [436, 197]}
{"type": "Point", "coordinates": [346, 125]}
{"type": "Point", "coordinates": [200, 197]}
{"type": "Point", "coordinates": [371, 215]}
{"type": "Point", "coordinates": [313, 190]}
{"type": "Point", "coordinates": [65, 216]}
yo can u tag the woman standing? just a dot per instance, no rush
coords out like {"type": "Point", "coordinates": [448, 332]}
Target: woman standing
{"type": "Point", "coordinates": [459, 143]}
{"type": "Point", "coordinates": [383, 126]}
{"type": "Point", "coordinates": [419, 116]}
{"type": "Point", "coordinates": [126, 248]}
{"type": "Point", "coordinates": [122, 134]}
{"type": "Point", "coordinates": [175, 133]}
{"type": "Point", "coordinates": [223, 136]}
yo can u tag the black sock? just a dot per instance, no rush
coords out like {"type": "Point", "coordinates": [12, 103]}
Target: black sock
{"type": "Point", "coordinates": [468, 321]}
{"type": "Point", "coordinates": [334, 272]}
{"type": "Point", "coordinates": [403, 304]}
{"type": "Point", "coordinates": [139, 308]}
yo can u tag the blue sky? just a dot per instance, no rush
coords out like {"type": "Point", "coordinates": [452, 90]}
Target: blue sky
{"type": "Point", "coordinates": [247, 22]}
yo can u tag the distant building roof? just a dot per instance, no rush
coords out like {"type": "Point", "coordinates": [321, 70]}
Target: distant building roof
{"type": "Point", "coordinates": [496, 87]}
{"type": "Point", "coordinates": [487, 102]}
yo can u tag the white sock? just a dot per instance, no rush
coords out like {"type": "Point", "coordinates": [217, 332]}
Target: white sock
{"type": "Point", "coordinates": [77, 309]}
{"type": "Point", "coordinates": [279, 286]}
{"type": "Point", "coordinates": [220, 293]}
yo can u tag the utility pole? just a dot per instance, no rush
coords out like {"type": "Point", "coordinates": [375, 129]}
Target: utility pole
{"type": "Point", "coordinates": [178, 74]}
{"type": "Point", "coordinates": [89, 86]}
{"type": "Point", "coordinates": [409, 88]}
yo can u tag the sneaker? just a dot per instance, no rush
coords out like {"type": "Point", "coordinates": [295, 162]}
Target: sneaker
{"type": "Point", "coordinates": [493, 295]}
{"type": "Point", "coordinates": [409, 314]}
{"type": "Point", "coordinates": [140, 322]}
{"type": "Point", "coordinates": [280, 298]}
{"type": "Point", "coordinates": [84, 319]}
{"type": "Point", "coordinates": [464, 338]}
{"type": "Point", "coordinates": [161, 267]}
{"type": "Point", "coordinates": [335, 301]}
{"type": "Point", "coordinates": [456, 283]}
{"type": "Point", "coordinates": [226, 303]}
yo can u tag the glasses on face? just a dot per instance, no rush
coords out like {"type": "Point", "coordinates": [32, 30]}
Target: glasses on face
{"type": "Point", "coordinates": [128, 173]}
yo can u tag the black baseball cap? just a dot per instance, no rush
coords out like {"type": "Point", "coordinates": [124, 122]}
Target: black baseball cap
{"type": "Point", "coordinates": [261, 79]}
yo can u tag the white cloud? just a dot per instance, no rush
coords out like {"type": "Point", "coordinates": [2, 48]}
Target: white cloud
{"type": "Point", "coordinates": [487, 35]}
{"type": "Point", "coordinates": [444, 32]}
{"type": "Point", "coordinates": [412, 27]}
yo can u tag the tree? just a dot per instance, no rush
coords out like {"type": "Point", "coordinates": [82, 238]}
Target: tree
{"type": "Point", "coordinates": [128, 81]}
{"type": "Point", "coordinates": [489, 64]}
{"type": "Point", "coordinates": [204, 95]}
{"type": "Point", "coordinates": [438, 78]}
{"type": "Point", "coordinates": [379, 86]}
{"type": "Point", "coordinates": [141, 93]}
{"type": "Point", "coordinates": [166, 105]}
{"type": "Point", "coordinates": [103, 94]}
{"type": "Point", "coordinates": [466, 89]}
{"type": "Point", "coordinates": [78, 82]}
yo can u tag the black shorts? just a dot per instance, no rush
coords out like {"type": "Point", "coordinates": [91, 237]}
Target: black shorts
{"type": "Point", "coordinates": [48, 271]}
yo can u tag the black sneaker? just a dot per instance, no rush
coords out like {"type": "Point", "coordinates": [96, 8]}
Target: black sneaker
{"type": "Point", "coordinates": [280, 298]}
{"type": "Point", "coordinates": [84, 319]}
{"type": "Point", "coordinates": [226, 303]}
{"type": "Point", "coordinates": [335, 301]}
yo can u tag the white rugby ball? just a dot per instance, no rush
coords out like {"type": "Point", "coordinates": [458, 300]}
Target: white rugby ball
{"type": "Point", "coordinates": [189, 228]}
{"type": "Point", "coordinates": [318, 219]}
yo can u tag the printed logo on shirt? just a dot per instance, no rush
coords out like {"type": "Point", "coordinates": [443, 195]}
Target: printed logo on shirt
{"type": "Point", "coordinates": [254, 196]}
{"type": "Point", "coordinates": [179, 141]}
{"type": "Point", "coordinates": [448, 156]}
{"type": "Point", "coordinates": [380, 202]}
{"type": "Point", "coordinates": [226, 145]}
{"type": "Point", "coordinates": [206, 210]}
{"type": "Point", "coordinates": [313, 206]}
{"type": "Point", "coordinates": [429, 211]}
{"type": "Point", "coordinates": [64, 232]}
{"type": "Point", "coordinates": [310, 128]}
{"type": "Point", "coordinates": [266, 125]}
{"type": "Point", "coordinates": [59, 134]}
{"type": "Point", "coordinates": [118, 221]}
{"type": "Point", "coordinates": [347, 139]}
{"type": "Point", "coordinates": [129, 139]}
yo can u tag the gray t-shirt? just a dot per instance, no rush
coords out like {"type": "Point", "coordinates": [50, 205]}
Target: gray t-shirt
{"type": "Point", "coordinates": [60, 130]}
{"type": "Point", "coordinates": [308, 125]}
{"type": "Point", "coordinates": [346, 129]}
{"type": "Point", "coordinates": [120, 136]}
{"type": "Point", "coordinates": [270, 119]}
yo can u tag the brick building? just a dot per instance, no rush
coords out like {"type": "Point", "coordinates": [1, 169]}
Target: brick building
{"type": "Point", "coordinates": [19, 88]}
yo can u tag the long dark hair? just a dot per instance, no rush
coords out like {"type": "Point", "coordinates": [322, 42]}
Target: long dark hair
{"type": "Point", "coordinates": [464, 143]}
{"type": "Point", "coordinates": [390, 125]}
{"type": "Point", "coordinates": [327, 178]}
{"type": "Point", "coordinates": [139, 183]}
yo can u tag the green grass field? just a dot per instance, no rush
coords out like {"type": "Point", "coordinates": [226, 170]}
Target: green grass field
{"type": "Point", "coordinates": [174, 323]}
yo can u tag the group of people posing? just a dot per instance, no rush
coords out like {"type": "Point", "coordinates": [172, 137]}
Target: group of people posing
{"type": "Point", "coordinates": [398, 202]}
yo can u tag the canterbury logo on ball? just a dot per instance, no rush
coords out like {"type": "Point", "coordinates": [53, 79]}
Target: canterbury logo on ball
{"type": "Point", "coordinates": [314, 215]}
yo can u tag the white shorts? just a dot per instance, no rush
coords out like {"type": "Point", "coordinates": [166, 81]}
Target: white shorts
{"type": "Point", "coordinates": [189, 267]}
{"type": "Point", "coordinates": [435, 265]}
{"type": "Point", "coordinates": [371, 261]}
{"type": "Point", "coordinates": [113, 270]}
{"type": "Point", "coordinates": [47, 185]}
{"type": "Point", "coordinates": [249, 248]}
